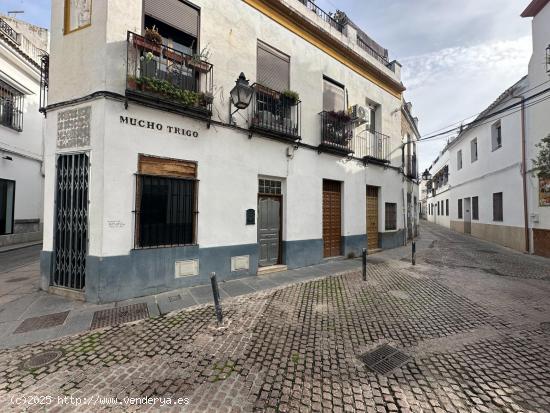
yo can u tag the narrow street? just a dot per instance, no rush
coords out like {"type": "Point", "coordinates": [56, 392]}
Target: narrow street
{"type": "Point", "coordinates": [472, 320]}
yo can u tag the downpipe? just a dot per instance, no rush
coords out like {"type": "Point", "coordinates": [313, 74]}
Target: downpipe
{"type": "Point", "coordinates": [524, 175]}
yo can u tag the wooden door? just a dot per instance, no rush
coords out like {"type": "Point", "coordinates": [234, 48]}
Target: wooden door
{"type": "Point", "coordinates": [332, 218]}
{"type": "Point", "coordinates": [269, 229]}
{"type": "Point", "coordinates": [372, 217]}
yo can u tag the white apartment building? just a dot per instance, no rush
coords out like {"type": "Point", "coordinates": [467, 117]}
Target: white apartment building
{"type": "Point", "coordinates": [494, 191]}
{"type": "Point", "coordinates": [157, 175]}
{"type": "Point", "coordinates": [437, 197]}
{"type": "Point", "coordinates": [537, 127]}
{"type": "Point", "coordinates": [21, 131]}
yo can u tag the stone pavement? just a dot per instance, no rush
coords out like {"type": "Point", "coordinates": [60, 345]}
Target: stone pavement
{"type": "Point", "coordinates": [476, 325]}
{"type": "Point", "coordinates": [21, 298]}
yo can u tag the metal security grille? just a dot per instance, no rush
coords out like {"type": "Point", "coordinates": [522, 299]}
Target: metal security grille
{"type": "Point", "coordinates": [71, 228]}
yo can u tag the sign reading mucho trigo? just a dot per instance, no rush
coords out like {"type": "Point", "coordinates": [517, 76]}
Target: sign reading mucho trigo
{"type": "Point", "coordinates": [145, 124]}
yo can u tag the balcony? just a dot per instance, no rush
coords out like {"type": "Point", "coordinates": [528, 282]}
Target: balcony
{"type": "Point", "coordinates": [372, 146]}
{"type": "Point", "coordinates": [323, 15]}
{"type": "Point", "coordinates": [11, 107]}
{"type": "Point", "coordinates": [336, 133]}
{"type": "Point", "coordinates": [9, 32]}
{"type": "Point", "coordinates": [275, 114]}
{"type": "Point", "coordinates": [168, 78]}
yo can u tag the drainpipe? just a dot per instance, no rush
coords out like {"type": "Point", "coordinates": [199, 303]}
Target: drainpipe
{"type": "Point", "coordinates": [524, 174]}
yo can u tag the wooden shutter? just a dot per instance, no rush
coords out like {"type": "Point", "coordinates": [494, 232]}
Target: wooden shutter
{"type": "Point", "coordinates": [498, 214]}
{"type": "Point", "coordinates": [333, 96]}
{"type": "Point", "coordinates": [273, 68]}
{"type": "Point", "coordinates": [174, 13]}
{"type": "Point", "coordinates": [152, 165]}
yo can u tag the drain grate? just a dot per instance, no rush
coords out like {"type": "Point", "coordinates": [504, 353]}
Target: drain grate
{"type": "Point", "coordinates": [41, 322]}
{"type": "Point", "coordinates": [384, 359]}
{"type": "Point", "coordinates": [174, 298]}
{"type": "Point", "coordinates": [42, 359]}
{"type": "Point", "coordinates": [119, 315]}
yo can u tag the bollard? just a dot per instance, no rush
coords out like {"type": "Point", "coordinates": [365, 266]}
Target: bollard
{"type": "Point", "coordinates": [216, 292]}
{"type": "Point", "coordinates": [364, 264]}
{"type": "Point", "coordinates": [414, 253]}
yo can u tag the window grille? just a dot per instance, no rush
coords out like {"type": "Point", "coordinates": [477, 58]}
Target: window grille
{"type": "Point", "coordinates": [498, 213]}
{"type": "Point", "coordinates": [11, 107]}
{"type": "Point", "coordinates": [391, 216]}
{"type": "Point", "coordinates": [269, 187]}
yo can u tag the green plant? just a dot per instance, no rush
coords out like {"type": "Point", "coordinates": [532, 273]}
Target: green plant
{"type": "Point", "coordinates": [542, 163]}
{"type": "Point", "coordinates": [291, 95]}
{"type": "Point", "coordinates": [152, 35]}
{"type": "Point", "coordinates": [166, 88]}
{"type": "Point", "coordinates": [340, 116]}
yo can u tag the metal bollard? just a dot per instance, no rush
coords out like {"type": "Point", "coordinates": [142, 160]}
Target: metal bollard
{"type": "Point", "coordinates": [414, 253]}
{"type": "Point", "coordinates": [364, 264]}
{"type": "Point", "coordinates": [217, 302]}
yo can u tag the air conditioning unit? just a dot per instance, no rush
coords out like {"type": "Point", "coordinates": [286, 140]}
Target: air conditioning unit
{"type": "Point", "coordinates": [359, 114]}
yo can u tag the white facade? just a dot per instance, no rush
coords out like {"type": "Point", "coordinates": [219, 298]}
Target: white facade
{"type": "Point", "coordinates": [21, 132]}
{"type": "Point", "coordinates": [538, 126]}
{"type": "Point", "coordinates": [437, 198]}
{"type": "Point", "coordinates": [229, 160]}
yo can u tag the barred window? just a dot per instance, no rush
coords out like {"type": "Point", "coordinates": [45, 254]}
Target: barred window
{"type": "Point", "coordinates": [460, 209]}
{"type": "Point", "coordinates": [475, 208]}
{"type": "Point", "coordinates": [166, 203]}
{"type": "Point", "coordinates": [269, 187]}
{"type": "Point", "coordinates": [391, 216]}
{"type": "Point", "coordinates": [498, 210]}
{"type": "Point", "coordinates": [447, 207]}
{"type": "Point", "coordinates": [11, 107]}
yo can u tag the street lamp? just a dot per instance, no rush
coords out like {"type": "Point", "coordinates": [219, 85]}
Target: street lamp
{"type": "Point", "coordinates": [427, 176]}
{"type": "Point", "coordinates": [241, 95]}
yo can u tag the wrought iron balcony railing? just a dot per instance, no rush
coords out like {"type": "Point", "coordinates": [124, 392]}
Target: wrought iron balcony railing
{"type": "Point", "coordinates": [275, 113]}
{"type": "Point", "coordinates": [323, 15]}
{"type": "Point", "coordinates": [372, 145]}
{"type": "Point", "coordinates": [9, 32]}
{"type": "Point", "coordinates": [165, 75]}
{"type": "Point", "coordinates": [11, 107]}
{"type": "Point", "coordinates": [336, 132]}
{"type": "Point", "coordinates": [44, 81]}
{"type": "Point", "coordinates": [363, 45]}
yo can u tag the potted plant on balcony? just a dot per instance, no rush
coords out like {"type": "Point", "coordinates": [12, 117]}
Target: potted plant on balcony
{"type": "Point", "coordinates": [337, 127]}
{"type": "Point", "coordinates": [200, 60]}
{"type": "Point", "coordinates": [151, 41]}
{"type": "Point", "coordinates": [205, 99]}
{"type": "Point", "coordinates": [290, 98]}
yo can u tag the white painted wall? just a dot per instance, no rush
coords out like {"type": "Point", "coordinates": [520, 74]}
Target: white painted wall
{"type": "Point", "coordinates": [442, 194]}
{"type": "Point", "coordinates": [25, 148]}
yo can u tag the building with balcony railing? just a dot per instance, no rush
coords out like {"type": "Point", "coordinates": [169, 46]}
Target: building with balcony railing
{"type": "Point", "coordinates": [21, 131]}
{"type": "Point", "coordinates": [231, 138]}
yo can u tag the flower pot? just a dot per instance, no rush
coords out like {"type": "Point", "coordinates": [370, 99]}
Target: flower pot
{"type": "Point", "coordinates": [142, 43]}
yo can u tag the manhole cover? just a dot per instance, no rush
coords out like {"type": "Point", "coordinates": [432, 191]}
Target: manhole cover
{"type": "Point", "coordinates": [384, 359]}
{"type": "Point", "coordinates": [44, 321]}
{"type": "Point", "coordinates": [545, 327]}
{"type": "Point", "coordinates": [43, 359]}
{"type": "Point", "coordinates": [16, 280]}
{"type": "Point", "coordinates": [173, 298]}
{"type": "Point", "coordinates": [119, 315]}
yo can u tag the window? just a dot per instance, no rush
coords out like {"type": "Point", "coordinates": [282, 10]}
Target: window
{"type": "Point", "coordinates": [460, 209]}
{"type": "Point", "coordinates": [78, 15]}
{"type": "Point", "coordinates": [11, 107]}
{"type": "Point", "coordinates": [496, 135]}
{"type": "Point", "coordinates": [333, 96]}
{"type": "Point", "coordinates": [7, 201]}
{"type": "Point", "coordinates": [166, 202]}
{"type": "Point", "coordinates": [447, 207]}
{"type": "Point", "coordinates": [498, 213]}
{"type": "Point", "coordinates": [391, 216]}
{"type": "Point", "coordinates": [459, 160]}
{"type": "Point", "coordinates": [475, 208]}
{"type": "Point", "coordinates": [273, 68]}
{"type": "Point", "coordinates": [269, 187]}
{"type": "Point", "coordinates": [473, 148]}
{"type": "Point", "coordinates": [372, 118]}
{"type": "Point", "coordinates": [438, 211]}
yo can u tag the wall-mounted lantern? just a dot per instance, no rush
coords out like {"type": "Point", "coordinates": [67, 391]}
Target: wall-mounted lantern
{"type": "Point", "coordinates": [427, 176]}
{"type": "Point", "coordinates": [241, 95]}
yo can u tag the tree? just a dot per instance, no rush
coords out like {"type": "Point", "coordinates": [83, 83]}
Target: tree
{"type": "Point", "coordinates": [542, 163]}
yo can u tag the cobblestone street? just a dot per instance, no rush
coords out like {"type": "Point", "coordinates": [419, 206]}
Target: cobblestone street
{"type": "Point", "coordinates": [473, 317]}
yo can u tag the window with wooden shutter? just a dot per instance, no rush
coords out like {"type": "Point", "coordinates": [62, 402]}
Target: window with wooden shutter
{"type": "Point", "coordinates": [273, 70]}
{"type": "Point", "coordinates": [334, 98]}
{"type": "Point", "coordinates": [175, 13]}
{"type": "Point", "coordinates": [391, 216]}
{"type": "Point", "coordinates": [498, 213]}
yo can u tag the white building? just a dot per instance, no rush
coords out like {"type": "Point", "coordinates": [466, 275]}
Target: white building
{"type": "Point", "coordinates": [21, 131]}
{"type": "Point", "coordinates": [437, 196]}
{"type": "Point", "coordinates": [494, 192]}
{"type": "Point", "coordinates": [537, 125]}
{"type": "Point", "coordinates": [152, 185]}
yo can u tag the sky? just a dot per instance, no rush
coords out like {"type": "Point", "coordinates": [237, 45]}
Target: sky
{"type": "Point", "coordinates": [458, 56]}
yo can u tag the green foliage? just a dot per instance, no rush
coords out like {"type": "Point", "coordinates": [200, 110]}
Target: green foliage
{"type": "Point", "coordinates": [291, 95]}
{"type": "Point", "coordinates": [542, 163]}
{"type": "Point", "coordinates": [152, 35]}
{"type": "Point", "coordinates": [165, 88]}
